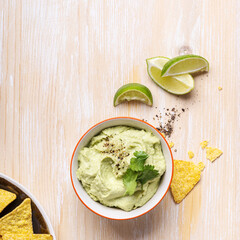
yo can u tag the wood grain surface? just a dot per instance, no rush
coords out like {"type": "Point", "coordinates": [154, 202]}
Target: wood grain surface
{"type": "Point", "coordinates": [60, 65]}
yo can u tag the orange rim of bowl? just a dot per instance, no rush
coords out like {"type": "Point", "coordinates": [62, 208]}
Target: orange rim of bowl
{"type": "Point", "coordinates": [89, 131]}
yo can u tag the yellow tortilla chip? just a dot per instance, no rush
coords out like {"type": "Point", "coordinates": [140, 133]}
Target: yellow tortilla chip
{"type": "Point", "coordinates": [27, 237]}
{"type": "Point", "coordinates": [219, 88]}
{"type": "Point", "coordinates": [185, 176]}
{"type": "Point", "coordinates": [203, 144]}
{"type": "Point", "coordinates": [171, 144]}
{"type": "Point", "coordinates": [6, 198]}
{"type": "Point", "coordinates": [213, 153]}
{"type": "Point", "coordinates": [201, 165]}
{"type": "Point", "coordinates": [190, 154]}
{"type": "Point", "coordinates": [19, 220]}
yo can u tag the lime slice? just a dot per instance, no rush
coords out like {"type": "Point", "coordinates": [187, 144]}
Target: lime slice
{"type": "Point", "coordinates": [185, 64]}
{"type": "Point", "coordinates": [133, 91]}
{"type": "Point", "coordinates": [178, 85]}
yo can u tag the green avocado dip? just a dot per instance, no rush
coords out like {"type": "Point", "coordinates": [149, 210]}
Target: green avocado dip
{"type": "Point", "coordinates": [104, 162]}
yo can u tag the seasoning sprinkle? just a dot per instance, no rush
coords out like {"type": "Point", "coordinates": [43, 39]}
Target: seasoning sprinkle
{"type": "Point", "coordinates": [166, 123]}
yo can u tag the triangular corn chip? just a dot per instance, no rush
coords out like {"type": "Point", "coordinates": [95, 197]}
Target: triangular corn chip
{"type": "Point", "coordinates": [27, 237]}
{"type": "Point", "coordinates": [6, 198]}
{"type": "Point", "coordinates": [19, 220]}
{"type": "Point", "coordinates": [185, 177]}
{"type": "Point", "coordinates": [213, 153]}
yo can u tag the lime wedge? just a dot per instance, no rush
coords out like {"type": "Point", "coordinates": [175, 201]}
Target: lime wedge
{"type": "Point", "coordinates": [185, 64]}
{"type": "Point", "coordinates": [133, 91]}
{"type": "Point", "coordinates": [178, 85]}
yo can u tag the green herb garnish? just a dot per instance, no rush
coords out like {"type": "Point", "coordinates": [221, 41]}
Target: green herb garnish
{"type": "Point", "coordinates": [138, 172]}
{"type": "Point", "coordinates": [129, 181]}
{"type": "Point", "coordinates": [147, 174]}
{"type": "Point", "coordinates": [137, 162]}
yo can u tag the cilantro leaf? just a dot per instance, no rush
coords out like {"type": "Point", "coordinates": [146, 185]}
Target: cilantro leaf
{"type": "Point", "coordinates": [129, 181]}
{"type": "Point", "coordinates": [147, 174]}
{"type": "Point", "coordinates": [138, 172]}
{"type": "Point", "coordinates": [140, 154]}
{"type": "Point", "coordinates": [137, 162]}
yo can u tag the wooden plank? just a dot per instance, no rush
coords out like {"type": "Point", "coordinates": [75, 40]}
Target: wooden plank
{"type": "Point", "coordinates": [61, 63]}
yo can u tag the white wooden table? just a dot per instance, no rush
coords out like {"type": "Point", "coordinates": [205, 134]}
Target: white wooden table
{"type": "Point", "coordinates": [60, 65]}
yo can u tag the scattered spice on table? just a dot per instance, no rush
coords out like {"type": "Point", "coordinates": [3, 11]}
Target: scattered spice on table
{"type": "Point", "coordinates": [167, 120]}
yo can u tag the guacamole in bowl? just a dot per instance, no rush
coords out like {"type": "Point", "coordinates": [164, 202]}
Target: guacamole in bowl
{"type": "Point", "coordinates": [106, 167]}
{"type": "Point", "coordinates": [139, 183]}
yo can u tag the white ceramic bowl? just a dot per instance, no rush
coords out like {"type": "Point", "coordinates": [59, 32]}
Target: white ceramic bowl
{"type": "Point", "coordinates": [115, 213]}
{"type": "Point", "coordinates": [34, 200]}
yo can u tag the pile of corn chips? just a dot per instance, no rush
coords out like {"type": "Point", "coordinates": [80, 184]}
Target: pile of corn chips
{"type": "Point", "coordinates": [17, 225]}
